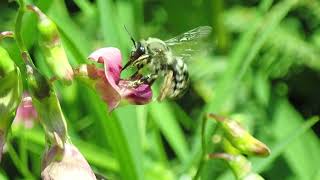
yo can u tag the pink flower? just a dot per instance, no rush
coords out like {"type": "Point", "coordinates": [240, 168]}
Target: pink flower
{"type": "Point", "coordinates": [111, 87]}
{"type": "Point", "coordinates": [26, 112]}
{"type": "Point", "coordinates": [67, 163]}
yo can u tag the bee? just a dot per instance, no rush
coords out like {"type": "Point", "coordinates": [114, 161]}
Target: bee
{"type": "Point", "coordinates": [166, 59]}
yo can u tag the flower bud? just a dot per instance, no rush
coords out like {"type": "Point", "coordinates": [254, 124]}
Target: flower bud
{"type": "Point", "coordinates": [50, 42]}
{"type": "Point", "coordinates": [26, 113]}
{"type": "Point", "coordinates": [10, 93]}
{"type": "Point", "coordinates": [66, 163]}
{"type": "Point", "coordinates": [239, 164]}
{"type": "Point", "coordinates": [229, 148]}
{"type": "Point", "coordinates": [240, 138]}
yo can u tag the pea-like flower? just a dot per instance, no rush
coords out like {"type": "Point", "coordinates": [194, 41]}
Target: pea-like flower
{"type": "Point", "coordinates": [67, 163]}
{"type": "Point", "coordinates": [108, 83]}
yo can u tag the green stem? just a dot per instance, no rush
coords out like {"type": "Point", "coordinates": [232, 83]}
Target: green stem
{"type": "Point", "coordinates": [203, 147]}
{"type": "Point", "coordinates": [18, 26]}
{"type": "Point", "coordinates": [17, 32]}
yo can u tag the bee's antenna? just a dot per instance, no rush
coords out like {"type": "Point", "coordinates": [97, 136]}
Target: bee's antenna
{"type": "Point", "coordinates": [131, 37]}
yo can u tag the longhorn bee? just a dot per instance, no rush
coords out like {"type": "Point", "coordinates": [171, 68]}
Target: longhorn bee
{"type": "Point", "coordinates": [166, 59]}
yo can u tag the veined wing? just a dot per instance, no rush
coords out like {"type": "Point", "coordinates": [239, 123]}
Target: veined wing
{"type": "Point", "coordinates": [188, 43]}
{"type": "Point", "coordinates": [194, 34]}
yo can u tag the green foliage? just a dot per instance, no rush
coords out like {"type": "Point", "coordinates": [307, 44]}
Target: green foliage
{"type": "Point", "coordinates": [254, 49]}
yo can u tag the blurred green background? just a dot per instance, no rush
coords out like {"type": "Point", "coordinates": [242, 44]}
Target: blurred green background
{"type": "Point", "coordinates": [263, 63]}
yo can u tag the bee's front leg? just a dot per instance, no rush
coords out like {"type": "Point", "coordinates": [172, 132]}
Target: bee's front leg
{"type": "Point", "coordinates": [148, 79]}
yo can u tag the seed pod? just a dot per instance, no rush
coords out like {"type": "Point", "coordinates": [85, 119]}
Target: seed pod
{"type": "Point", "coordinates": [240, 138]}
{"type": "Point", "coordinates": [10, 93]}
{"type": "Point", "coordinates": [51, 45]}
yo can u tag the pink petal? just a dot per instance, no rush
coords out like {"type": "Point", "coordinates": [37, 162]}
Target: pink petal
{"type": "Point", "coordinates": [108, 94]}
{"type": "Point", "coordinates": [67, 163]}
{"type": "Point", "coordinates": [111, 88]}
{"type": "Point", "coordinates": [111, 58]}
{"type": "Point", "coordinates": [26, 113]}
{"type": "Point", "coordinates": [139, 95]}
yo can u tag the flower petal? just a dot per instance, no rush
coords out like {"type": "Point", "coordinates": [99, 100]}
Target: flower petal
{"type": "Point", "coordinates": [111, 58]}
{"type": "Point", "coordinates": [67, 163]}
{"type": "Point", "coordinates": [26, 113]}
{"type": "Point", "coordinates": [111, 87]}
{"type": "Point", "coordinates": [98, 81]}
{"type": "Point", "coordinates": [138, 95]}
{"type": "Point", "coordinates": [108, 94]}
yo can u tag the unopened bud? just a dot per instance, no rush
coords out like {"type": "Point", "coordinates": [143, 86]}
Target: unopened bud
{"type": "Point", "coordinates": [66, 163]}
{"type": "Point", "coordinates": [55, 54]}
{"type": "Point", "coordinates": [239, 164]}
{"type": "Point", "coordinates": [10, 93]}
{"type": "Point", "coordinates": [229, 148]}
{"type": "Point", "coordinates": [26, 113]}
{"type": "Point", "coordinates": [240, 138]}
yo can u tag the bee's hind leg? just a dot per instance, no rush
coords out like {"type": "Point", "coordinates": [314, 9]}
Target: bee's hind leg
{"type": "Point", "coordinates": [166, 86]}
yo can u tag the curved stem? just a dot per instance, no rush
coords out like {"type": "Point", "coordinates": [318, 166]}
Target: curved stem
{"type": "Point", "coordinates": [18, 26]}
{"type": "Point", "coordinates": [17, 32]}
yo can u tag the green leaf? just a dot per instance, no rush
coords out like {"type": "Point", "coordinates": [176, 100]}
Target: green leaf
{"type": "Point", "coordinates": [165, 120]}
{"type": "Point", "coordinates": [293, 138]}
{"type": "Point", "coordinates": [116, 131]}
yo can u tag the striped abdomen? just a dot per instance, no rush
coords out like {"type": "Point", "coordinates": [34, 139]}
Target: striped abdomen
{"type": "Point", "coordinates": [180, 78]}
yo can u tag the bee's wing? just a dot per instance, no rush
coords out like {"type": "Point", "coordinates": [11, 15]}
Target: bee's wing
{"type": "Point", "coordinates": [186, 44]}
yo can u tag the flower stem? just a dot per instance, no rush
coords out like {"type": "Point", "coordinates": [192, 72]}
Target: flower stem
{"type": "Point", "coordinates": [203, 148]}
{"type": "Point", "coordinates": [18, 26]}
{"type": "Point", "coordinates": [17, 32]}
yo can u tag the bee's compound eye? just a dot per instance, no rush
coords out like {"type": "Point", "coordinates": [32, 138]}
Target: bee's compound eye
{"type": "Point", "coordinates": [141, 49]}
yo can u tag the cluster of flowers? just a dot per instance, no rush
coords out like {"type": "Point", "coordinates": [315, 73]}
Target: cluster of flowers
{"type": "Point", "coordinates": [39, 101]}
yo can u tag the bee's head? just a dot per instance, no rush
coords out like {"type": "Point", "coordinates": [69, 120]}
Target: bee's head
{"type": "Point", "coordinates": [137, 56]}
{"type": "Point", "coordinates": [137, 52]}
